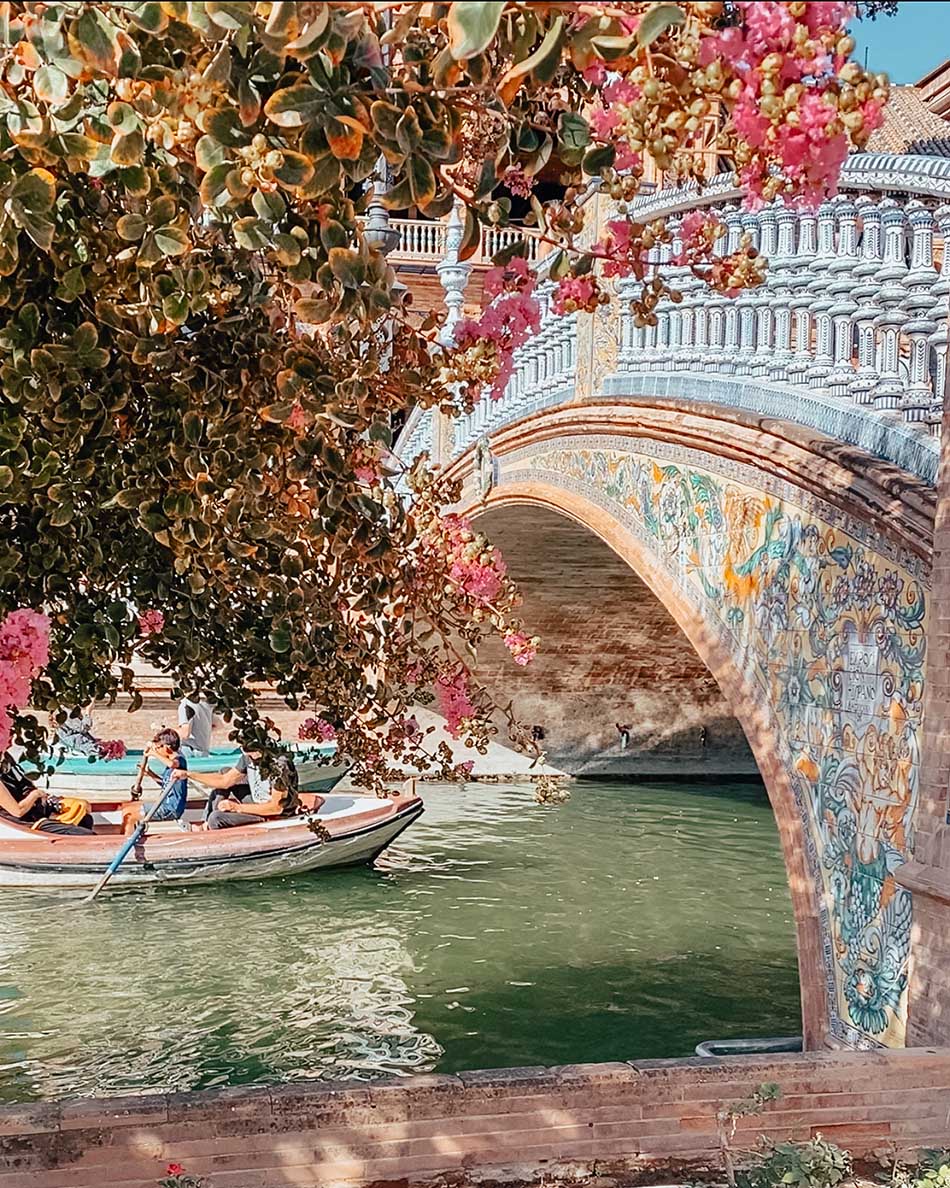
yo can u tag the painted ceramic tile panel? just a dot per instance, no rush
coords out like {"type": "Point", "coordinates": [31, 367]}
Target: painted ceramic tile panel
{"type": "Point", "coordinates": [832, 631]}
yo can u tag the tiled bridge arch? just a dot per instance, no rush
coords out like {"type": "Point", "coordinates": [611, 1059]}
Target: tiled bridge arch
{"type": "Point", "coordinates": [796, 569]}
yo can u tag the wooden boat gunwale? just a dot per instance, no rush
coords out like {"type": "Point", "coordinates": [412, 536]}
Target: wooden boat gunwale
{"type": "Point", "coordinates": [166, 854]}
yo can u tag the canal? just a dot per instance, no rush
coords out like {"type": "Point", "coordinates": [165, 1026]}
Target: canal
{"type": "Point", "coordinates": [634, 921]}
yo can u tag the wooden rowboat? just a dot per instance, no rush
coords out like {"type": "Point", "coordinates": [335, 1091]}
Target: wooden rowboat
{"type": "Point", "coordinates": [318, 770]}
{"type": "Point", "coordinates": [359, 829]}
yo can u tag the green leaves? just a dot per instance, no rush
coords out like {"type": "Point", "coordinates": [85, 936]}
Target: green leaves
{"type": "Point", "coordinates": [293, 107]}
{"type": "Point", "coordinates": [472, 27]}
{"type": "Point", "coordinates": [542, 63]}
{"type": "Point", "coordinates": [656, 20]}
{"type": "Point", "coordinates": [93, 40]}
{"type": "Point", "coordinates": [29, 201]}
{"type": "Point", "coordinates": [573, 137]}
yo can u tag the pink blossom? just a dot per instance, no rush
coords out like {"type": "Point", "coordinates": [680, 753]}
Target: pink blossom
{"type": "Point", "coordinates": [518, 182]}
{"type": "Point", "coordinates": [728, 46]}
{"type": "Point", "coordinates": [484, 347]}
{"type": "Point", "coordinates": [297, 421]}
{"type": "Point", "coordinates": [769, 26]}
{"type": "Point", "coordinates": [151, 622]}
{"type": "Point", "coordinates": [625, 159]}
{"type": "Point", "coordinates": [596, 72]}
{"type": "Point", "coordinates": [604, 122]}
{"type": "Point", "coordinates": [111, 748]}
{"type": "Point", "coordinates": [24, 653]}
{"type": "Point", "coordinates": [573, 293]}
{"type": "Point", "coordinates": [522, 648]}
{"type": "Point", "coordinates": [454, 701]}
{"type": "Point", "coordinates": [621, 90]}
{"type": "Point", "coordinates": [316, 729]}
{"type": "Point", "coordinates": [366, 465]}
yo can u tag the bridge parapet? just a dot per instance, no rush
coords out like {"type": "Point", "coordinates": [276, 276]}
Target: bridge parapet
{"type": "Point", "coordinates": [848, 334]}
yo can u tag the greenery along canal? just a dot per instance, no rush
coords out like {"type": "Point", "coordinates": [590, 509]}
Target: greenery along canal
{"type": "Point", "coordinates": [634, 921]}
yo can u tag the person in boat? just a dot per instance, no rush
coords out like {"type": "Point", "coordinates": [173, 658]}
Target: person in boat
{"type": "Point", "coordinates": [196, 720]}
{"type": "Point", "coordinates": [173, 782]}
{"type": "Point", "coordinates": [75, 734]}
{"type": "Point", "coordinates": [242, 796]}
{"type": "Point", "coordinates": [22, 801]}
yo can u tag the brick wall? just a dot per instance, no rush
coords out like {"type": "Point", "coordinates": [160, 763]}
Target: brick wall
{"type": "Point", "coordinates": [510, 1124]}
{"type": "Point", "coordinates": [610, 653]}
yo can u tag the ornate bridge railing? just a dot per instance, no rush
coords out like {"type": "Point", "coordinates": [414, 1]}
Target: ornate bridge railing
{"type": "Point", "coordinates": [848, 333]}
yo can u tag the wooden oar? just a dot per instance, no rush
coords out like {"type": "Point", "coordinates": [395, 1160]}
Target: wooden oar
{"type": "Point", "coordinates": [134, 835]}
{"type": "Point", "coordinates": [137, 786]}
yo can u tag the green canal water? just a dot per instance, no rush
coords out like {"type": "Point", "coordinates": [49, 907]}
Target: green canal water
{"type": "Point", "coordinates": [634, 921]}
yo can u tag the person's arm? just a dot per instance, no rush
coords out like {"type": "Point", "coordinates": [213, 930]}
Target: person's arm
{"type": "Point", "coordinates": [215, 779]}
{"type": "Point", "coordinates": [186, 716]}
{"type": "Point", "coordinates": [263, 808]}
{"type": "Point", "coordinates": [18, 808]}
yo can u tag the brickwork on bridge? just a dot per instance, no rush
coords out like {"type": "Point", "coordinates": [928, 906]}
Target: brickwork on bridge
{"type": "Point", "coordinates": [612, 655]}
{"type": "Point", "coordinates": [620, 1119]}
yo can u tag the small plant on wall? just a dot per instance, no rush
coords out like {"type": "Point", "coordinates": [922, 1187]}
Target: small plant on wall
{"type": "Point", "coordinates": [177, 1177]}
{"type": "Point", "coordinates": [815, 1164]}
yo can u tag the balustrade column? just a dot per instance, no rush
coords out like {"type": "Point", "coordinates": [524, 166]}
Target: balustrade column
{"type": "Point", "coordinates": [918, 398]}
{"type": "Point", "coordinates": [940, 314]}
{"type": "Point", "coordinates": [822, 356]}
{"type": "Point", "coordinates": [892, 276]}
{"type": "Point", "coordinates": [762, 297]}
{"type": "Point", "coordinates": [779, 276]}
{"type": "Point", "coordinates": [727, 361]}
{"type": "Point", "coordinates": [626, 288]}
{"type": "Point", "coordinates": [864, 292]}
{"type": "Point", "coordinates": [843, 306]}
{"type": "Point", "coordinates": [746, 304]}
{"type": "Point", "coordinates": [800, 300]}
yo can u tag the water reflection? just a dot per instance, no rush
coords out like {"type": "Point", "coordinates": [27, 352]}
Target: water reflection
{"type": "Point", "coordinates": [634, 921]}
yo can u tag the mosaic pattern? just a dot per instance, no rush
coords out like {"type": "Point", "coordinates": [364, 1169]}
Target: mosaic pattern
{"type": "Point", "coordinates": [827, 621]}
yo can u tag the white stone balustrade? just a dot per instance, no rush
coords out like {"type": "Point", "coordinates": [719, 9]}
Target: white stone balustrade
{"type": "Point", "coordinates": [422, 241]}
{"type": "Point", "coordinates": [854, 306]}
{"type": "Point", "coordinates": [853, 314]}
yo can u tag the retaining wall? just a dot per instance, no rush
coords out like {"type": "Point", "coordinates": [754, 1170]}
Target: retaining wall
{"type": "Point", "coordinates": [509, 1124]}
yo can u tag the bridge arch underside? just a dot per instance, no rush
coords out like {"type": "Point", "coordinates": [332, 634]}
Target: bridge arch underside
{"type": "Point", "coordinates": [808, 612]}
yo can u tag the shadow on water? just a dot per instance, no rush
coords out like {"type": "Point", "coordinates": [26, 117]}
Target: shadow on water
{"type": "Point", "coordinates": [633, 922]}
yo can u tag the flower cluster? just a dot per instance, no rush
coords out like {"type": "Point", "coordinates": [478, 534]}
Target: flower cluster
{"type": "Point", "coordinates": [484, 346]}
{"type": "Point", "coordinates": [366, 464]}
{"type": "Point", "coordinates": [24, 653]}
{"type": "Point", "coordinates": [729, 274]}
{"type": "Point", "coordinates": [316, 730]}
{"type": "Point", "coordinates": [521, 184]}
{"type": "Point", "coordinates": [111, 748]}
{"type": "Point", "coordinates": [797, 103]}
{"type": "Point", "coordinates": [454, 701]}
{"type": "Point", "coordinates": [176, 1177]}
{"type": "Point", "coordinates": [475, 567]}
{"type": "Point", "coordinates": [577, 292]}
{"type": "Point", "coordinates": [151, 622]}
{"type": "Point", "coordinates": [617, 123]}
{"type": "Point", "coordinates": [523, 648]}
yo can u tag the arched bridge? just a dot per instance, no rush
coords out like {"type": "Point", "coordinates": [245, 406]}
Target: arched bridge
{"type": "Point", "coordinates": [724, 524]}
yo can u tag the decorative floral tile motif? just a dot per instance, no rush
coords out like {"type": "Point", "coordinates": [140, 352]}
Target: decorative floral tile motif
{"type": "Point", "coordinates": [826, 620]}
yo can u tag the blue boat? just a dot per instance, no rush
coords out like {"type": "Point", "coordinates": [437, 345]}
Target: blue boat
{"type": "Point", "coordinates": [318, 769]}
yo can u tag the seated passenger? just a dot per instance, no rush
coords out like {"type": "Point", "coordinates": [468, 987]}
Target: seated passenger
{"type": "Point", "coordinates": [21, 800]}
{"type": "Point", "coordinates": [249, 790]}
{"type": "Point", "coordinates": [166, 748]}
{"type": "Point", "coordinates": [196, 720]}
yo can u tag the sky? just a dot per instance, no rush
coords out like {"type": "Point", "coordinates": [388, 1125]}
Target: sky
{"type": "Point", "coordinates": [908, 45]}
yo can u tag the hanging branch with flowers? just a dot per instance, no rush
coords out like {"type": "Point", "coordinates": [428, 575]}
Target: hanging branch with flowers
{"type": "Point", "coordinates": [201, 354]}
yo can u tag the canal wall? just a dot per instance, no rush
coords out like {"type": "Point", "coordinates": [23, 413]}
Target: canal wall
{"type": "Point", "coordinates": [616, 1120]}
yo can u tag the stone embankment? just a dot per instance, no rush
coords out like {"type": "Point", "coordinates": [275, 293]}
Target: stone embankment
{"type": "Point", "coordinates": [650, 1121]}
